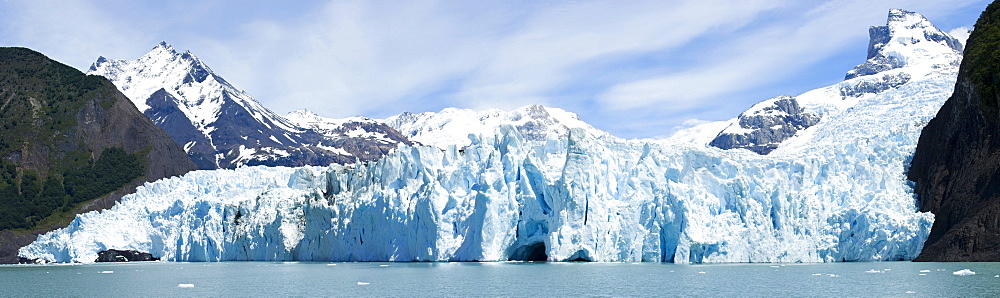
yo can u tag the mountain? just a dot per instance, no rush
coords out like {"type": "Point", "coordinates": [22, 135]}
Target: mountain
{"type": "Point", "coordinates": [453, 126]}
{"type": "Point", "coordinates": [221, 126]}
{"type": "Point", "coordinates": [907, 47]}
{"type": "Point", "coordinates": [71, 144]}
{"type": "Point", "coordinates": [956, 166]}
{"type": "Point", "coordinates": [363, 138]}
{"type": "Point", "coordinates": [538, 183]}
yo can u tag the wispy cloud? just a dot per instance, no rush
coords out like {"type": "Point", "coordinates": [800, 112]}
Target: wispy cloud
{"type": "Point", "coordinates": [762, 55]}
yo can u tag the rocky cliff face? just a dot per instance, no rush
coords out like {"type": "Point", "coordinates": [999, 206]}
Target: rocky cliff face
{"type": "Point", "coordinates": [56, 124]}
{"type": "Point", "coordinates": [956, 166]}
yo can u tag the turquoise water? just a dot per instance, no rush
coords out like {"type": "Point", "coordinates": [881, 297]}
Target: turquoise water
{"type": "Point", "coordinates": [498, 279]}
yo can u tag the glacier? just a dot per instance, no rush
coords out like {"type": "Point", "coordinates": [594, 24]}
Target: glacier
{"type": "Point", "coordinates": [835, 191]}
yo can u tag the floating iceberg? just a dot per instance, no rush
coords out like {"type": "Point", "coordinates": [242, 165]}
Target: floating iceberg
{"type": "Point", "coordinates": [964, 272]}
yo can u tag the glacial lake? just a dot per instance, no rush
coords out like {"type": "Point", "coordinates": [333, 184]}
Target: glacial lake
{"type": "Point", "coordinates": [498, 279]}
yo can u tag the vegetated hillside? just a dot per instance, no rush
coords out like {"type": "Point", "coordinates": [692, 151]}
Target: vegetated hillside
{"type": "Point", "coordinates": [69, 143]}
{"type": "Point", "coordinates": [956, 166]}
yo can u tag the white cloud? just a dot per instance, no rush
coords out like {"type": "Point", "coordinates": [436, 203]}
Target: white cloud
{"type": "Point", "coordinates": [960, 33]}
{"type": "Point", "coordinates": [72, 32]}
{"type": "Point", "coordinates": [541, 56]}
{"type": "Point", "coordinates": [370, 58]}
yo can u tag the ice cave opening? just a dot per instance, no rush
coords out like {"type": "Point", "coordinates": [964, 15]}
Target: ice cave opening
{"type": "Point", "coordinates": [532, 252]}
{"type": "Point", "coordinates": [579, 256]}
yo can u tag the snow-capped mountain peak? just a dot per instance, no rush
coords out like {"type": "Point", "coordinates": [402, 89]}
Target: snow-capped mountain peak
{"type": "Point", "coordinates": [906, 38]}
{"type": "Point", "coordinates": [202, 111]}
{"type": "Point", "coordinates": [221, 126]}
{"type": "Point", "coordinates": [182, 75]}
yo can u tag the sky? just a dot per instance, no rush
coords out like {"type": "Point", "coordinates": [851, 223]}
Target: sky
{"type": "Point", "coordinates": [637, 69]}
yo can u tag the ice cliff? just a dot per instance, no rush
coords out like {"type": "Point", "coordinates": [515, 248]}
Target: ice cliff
{"type": "Point", "coordinates": [833, 191]}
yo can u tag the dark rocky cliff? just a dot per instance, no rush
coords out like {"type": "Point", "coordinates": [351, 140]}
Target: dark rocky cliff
{"type": "Point", "coordinates": [78, 134]}
{"type": "Point", "coordinates": [956, 166]}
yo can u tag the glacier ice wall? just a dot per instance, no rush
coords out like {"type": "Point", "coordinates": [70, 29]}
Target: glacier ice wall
{"type": "Point", "coordinates": [835, 193]}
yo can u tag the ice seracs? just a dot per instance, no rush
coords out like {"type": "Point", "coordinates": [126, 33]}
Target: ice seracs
{"type": "Point", "coordinates": [538, 184]}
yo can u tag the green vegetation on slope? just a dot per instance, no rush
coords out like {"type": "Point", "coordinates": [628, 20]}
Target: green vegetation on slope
{"type": "Point", "coordinates": [26, 201]}
{"type": "Point", "coordinates": [983, 58]}
{"type": "Point", "coordinates": [44, 169]}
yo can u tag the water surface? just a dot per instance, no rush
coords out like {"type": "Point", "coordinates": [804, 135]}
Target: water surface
{"type": "Point", "coordinates": [498, 279]}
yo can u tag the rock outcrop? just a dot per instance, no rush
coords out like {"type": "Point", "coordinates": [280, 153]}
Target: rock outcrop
{"type": "Point", "coordinates": [765, 125]}
{"type": "Point", "coordinates": [114, 255]}
{"type": "Point", "coordinates": [956, 166]}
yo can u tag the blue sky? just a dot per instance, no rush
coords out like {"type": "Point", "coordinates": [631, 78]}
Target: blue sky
{"type": "Point", "coordinates": [634, 68]}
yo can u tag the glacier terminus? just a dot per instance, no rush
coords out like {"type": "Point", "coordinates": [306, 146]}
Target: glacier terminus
{"type": "Point", "coordinates": [538, 183]}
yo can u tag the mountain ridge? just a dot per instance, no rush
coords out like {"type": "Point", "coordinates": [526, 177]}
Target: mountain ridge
{"type": "Point", "coordinates": [221, 126]}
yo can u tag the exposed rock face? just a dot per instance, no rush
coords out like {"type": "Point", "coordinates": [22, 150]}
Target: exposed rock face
{"type": "Point", "coordinates": [56, 119]}
{"type": "Point", "coordinates": [114, 255]}
{"type": "Point", "coordinates": [765, 125]}
{"type": "Point", "coordinates": [956, 166]}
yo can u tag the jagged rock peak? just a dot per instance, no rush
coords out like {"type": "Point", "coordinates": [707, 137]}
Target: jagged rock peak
{"type": "Point", "coordinates": [164, 46]}
{"type": "Point", "coordinates": [906, 37]}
